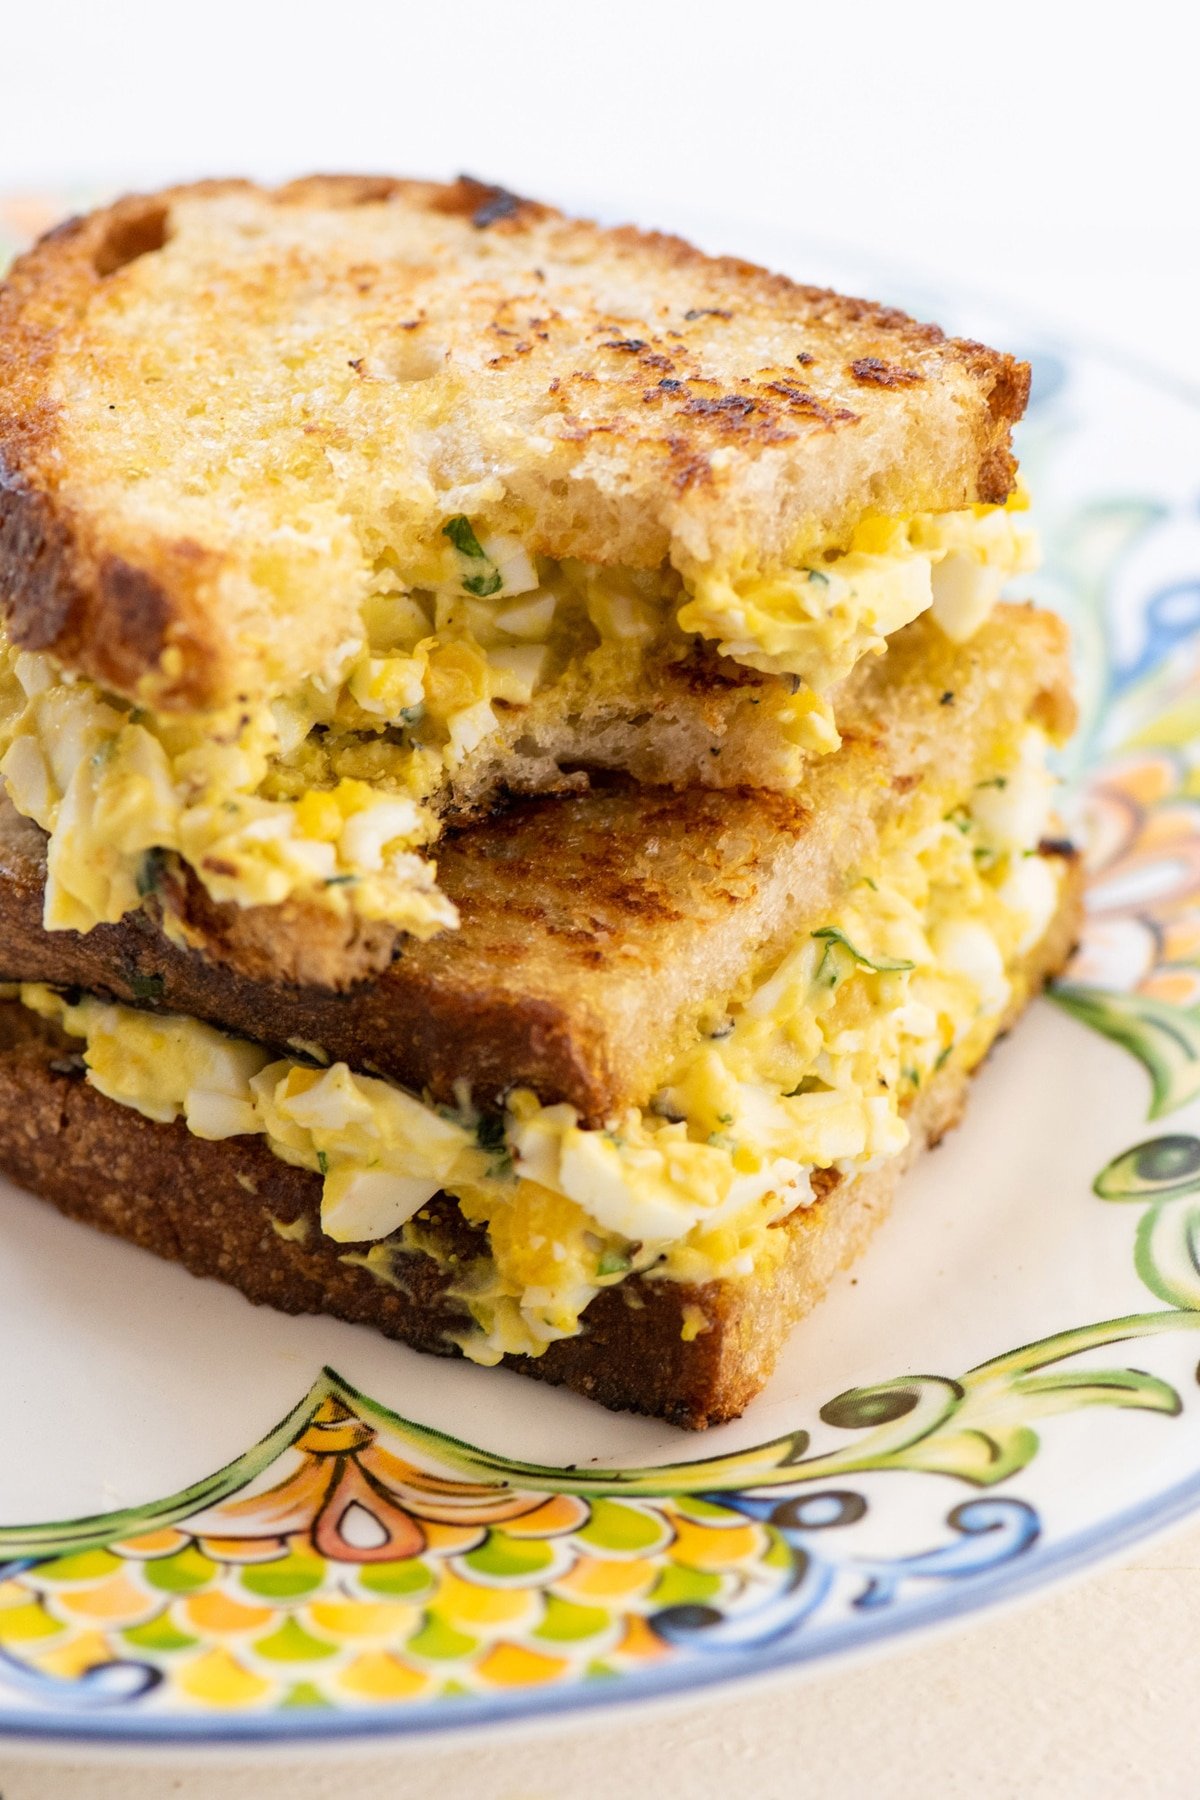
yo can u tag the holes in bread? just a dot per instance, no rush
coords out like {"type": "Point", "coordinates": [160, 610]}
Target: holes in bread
{"type": "Point", "coordinates": [409, 357]}
{"type": "Point", "coordinates": [133, 232]}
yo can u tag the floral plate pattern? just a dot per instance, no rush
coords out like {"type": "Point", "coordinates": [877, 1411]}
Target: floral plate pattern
{"type": "Point", "coordinates": [357, 1571]}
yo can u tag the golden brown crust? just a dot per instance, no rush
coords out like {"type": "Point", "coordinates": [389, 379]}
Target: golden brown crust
{"type": "Point", "coordinates": [595, 926]}
{"type": "Point", "coordinates": [296, 943]}
{"type": "Point", "coordinates": [210, 1206]}
{"type": "Point", "coordinates": [663, 402]}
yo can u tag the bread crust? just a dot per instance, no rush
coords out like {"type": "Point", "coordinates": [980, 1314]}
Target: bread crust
{"type": "Point", "coordinates": [638, 399]}
{"type": "Point", "coordinates": [233, 1211]}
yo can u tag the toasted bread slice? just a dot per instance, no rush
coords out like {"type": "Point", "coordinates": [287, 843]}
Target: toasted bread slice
{"type": "Point", "coordinates": [596, 928]}
{"type": "Point", "coordinates": [221, 405]}
{"type": "Point", "coordinates": [694, 1355]}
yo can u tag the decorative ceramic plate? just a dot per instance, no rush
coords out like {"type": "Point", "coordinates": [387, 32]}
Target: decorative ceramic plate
{"type": "Point", "coordinates": [208, 1534]}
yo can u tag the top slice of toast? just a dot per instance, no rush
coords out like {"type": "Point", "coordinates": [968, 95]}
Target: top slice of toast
{"type": "Point", "coordinates": [221, 407]}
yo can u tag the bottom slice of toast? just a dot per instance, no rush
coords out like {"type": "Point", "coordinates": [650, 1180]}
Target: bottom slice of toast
{"type": "Point", "coordinates": [693, 1355]}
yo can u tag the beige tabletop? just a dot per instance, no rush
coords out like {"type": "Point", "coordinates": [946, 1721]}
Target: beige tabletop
{"type": "Point", "coordinates": [1089, 1692]}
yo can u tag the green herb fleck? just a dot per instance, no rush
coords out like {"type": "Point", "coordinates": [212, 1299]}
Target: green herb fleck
{"type": "Point", "coordinates": [612, 1262]}
{"type": "Point", "coordinates": [484, 585]}
{"type": "Point", "coordinates": [882, 965]}
{"type": "Point", "coordinates": [340, 880]}
{"type": "Point", "coordinates": [818, 575]}
{"type": "Point", "coordinates": [490, 1136]}
{"type": "Point", "coordinates": [960, 818]}
{"type": "Point", "coordinates": [489, 1132]}
{"type": "Point", "coordinates": [724, 1118]}
{"type": "Point", "coordinates": [913, 1075]}
{"type": "Point", "coordinates": [322, 1162]}
{"type": "Point", "coordinates": [942, 1055]}
{"type": "Point", "coordinates": [147, 987]}
{"type": "Point", "coordinates": [997, 781]}
{"type": "Point", "coordinates": [462, 535]}
{"type": "Point", "coordinates": [828, 974]}
{"type": "Point", "coordinates": [150, 872]}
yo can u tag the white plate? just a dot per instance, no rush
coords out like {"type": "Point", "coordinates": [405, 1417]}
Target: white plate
{"type": "Point", "coordinates": [1002, 1390]}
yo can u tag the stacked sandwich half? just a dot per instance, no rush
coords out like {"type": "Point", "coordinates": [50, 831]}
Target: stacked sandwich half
{"type": "Point", "coordinates": [522, 806]}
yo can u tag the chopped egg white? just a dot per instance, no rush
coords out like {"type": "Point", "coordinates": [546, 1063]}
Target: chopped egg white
{"type": "Point", "coordinates": [818, 618]}
{"type": "Point", "coordinates": [329, 792]}
{"type": "Point", "coordinates": [815, 1068]}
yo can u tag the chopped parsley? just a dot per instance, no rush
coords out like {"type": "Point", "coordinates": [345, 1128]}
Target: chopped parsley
{"type": "Point", "coordinates": [322, 1162]}
{"type": "Point", "coordinates": [818, 575]}
{"type": "Point", "coordinates": [482, 586]}
{"type": "Point", "coordinates": [489, 1135]}
{"type": "Point", "coordinates": [997, 781]}
{"type": "Point", "coordinates": [489, 1132]}
{"type": "Point", "coordinates": [340, 880]}
{"type": "Point", "coordinates": [150, 872]}
{"type": "Point", "coordinates": [461, 533]}
{"type": "Point", "coordinates": [612, 1262]}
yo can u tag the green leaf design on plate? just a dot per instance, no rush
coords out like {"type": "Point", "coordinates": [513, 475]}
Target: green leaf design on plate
{"type": "Point", "coordinates": [1164, 1038]}
{"type": "Point", "coordinates": [186, 1572]}
{"type": "Point", "coordinates": [513, 1559]}
{"type": "Point", "coordinates": [1167, 1253]}
{"type": "Point", "coordinates": [1159, 1169]}
{"type": "Point", "coordinates": [292, 1643]}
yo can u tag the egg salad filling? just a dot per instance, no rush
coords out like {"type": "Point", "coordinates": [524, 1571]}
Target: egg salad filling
{"type": "Point", "coordinates": [330, 793]}
{"type": "Point", "coordinates": [814, 1066]}
{"type": "Point", "coordinates": [816, 619]}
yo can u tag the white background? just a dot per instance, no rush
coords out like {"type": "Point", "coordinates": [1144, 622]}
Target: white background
{"type": "Point", "coordinates": [1043, 153]}
{"type": "Point", "coordinates": [1038, 149]}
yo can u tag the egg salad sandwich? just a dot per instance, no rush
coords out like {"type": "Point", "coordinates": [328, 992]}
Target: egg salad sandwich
{"type": "Point", "coordinates": [619, 1128]}
{"type": "Point", "coordinates": [331, 514]}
